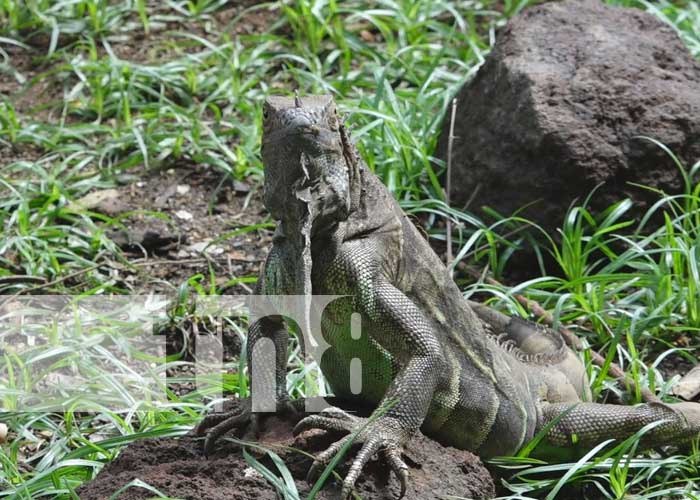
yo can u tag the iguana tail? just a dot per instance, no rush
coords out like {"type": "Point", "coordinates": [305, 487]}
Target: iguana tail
{"type": "Point", "coordinates": [583, 425]}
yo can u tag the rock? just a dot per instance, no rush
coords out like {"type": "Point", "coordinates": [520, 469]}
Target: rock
{"type": "Point", "coordinates": [3, 432]}
{"type": "Point", "coordinates": [177, 467]}
{"type": "Point", "coordinates": [555, 109]}
{"type": "Point", "coordinates": [240, 187]}
{"type": "Point", "coordinates": [152, 234]}
{"type": "Point", "coordinates": [183, 215]}
{"type": "Point", "coordinates": [205, 247]}
{"type": "Point", "coordinates": [106, 201]}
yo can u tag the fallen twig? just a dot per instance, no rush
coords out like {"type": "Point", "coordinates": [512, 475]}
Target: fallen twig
{"type": "Point", "coordinates": [21, 278]}
{"type": "Point", "coordinates": [450, 143]}
{"type": "Point", "coordinates": [47, 284]}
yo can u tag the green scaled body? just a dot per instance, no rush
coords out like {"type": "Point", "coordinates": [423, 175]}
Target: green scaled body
{"type": "Point", "coordinates": [462, 373]}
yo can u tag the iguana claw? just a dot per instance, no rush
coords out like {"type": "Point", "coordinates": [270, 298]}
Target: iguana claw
{"type": "Point", "coordinates": [218, 424]}
{"type": "Point", "coordinates": [382, 435]}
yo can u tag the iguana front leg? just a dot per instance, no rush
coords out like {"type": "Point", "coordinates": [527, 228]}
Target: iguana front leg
{"type": "Point", "coordinates": [218, 424]}
{"type": "Point", "coordinates": [262, 372]}
{"type": "Point", "coordinates": [401, 329]}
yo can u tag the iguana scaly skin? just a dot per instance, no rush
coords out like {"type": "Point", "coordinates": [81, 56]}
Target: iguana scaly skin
{"type": "Point", "coordinates": [459, 371]}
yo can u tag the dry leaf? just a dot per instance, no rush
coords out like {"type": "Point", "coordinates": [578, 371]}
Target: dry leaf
{"type": "Point", "coordinates": [689, 386]}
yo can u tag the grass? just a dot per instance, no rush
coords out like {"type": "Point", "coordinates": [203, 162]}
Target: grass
{"type": "Point", "coordinates": [109, 91]}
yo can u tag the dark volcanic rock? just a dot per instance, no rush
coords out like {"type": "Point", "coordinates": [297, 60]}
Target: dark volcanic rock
{"type": "Point", "coordinates": [177, 467]}
{"type": "Point", "coordinates": [555, 109]}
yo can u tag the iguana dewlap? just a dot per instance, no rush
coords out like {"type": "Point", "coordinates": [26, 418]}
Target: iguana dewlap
{"type": "Point", "coordinates": [463, 373]}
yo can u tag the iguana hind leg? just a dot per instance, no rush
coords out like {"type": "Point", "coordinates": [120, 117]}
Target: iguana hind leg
{"type": "Point", "coordinates": [587, 424]}
{"type": "Point", "coordinates": [531, 339]}
{"type": "Point", "coordinates": [564, 375]}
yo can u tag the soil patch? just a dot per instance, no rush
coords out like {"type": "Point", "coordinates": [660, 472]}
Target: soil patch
{"type": "Point", "coordinates": [184, 222]}
{"type": "Point", "coordinates": [177, 468]}
{"type": "Point", "coordinates": [19, 152]}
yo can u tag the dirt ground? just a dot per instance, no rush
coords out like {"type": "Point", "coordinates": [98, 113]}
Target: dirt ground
{"type": "Point", "coordinates": [173, 223]}
{"type": "Point", "coordinates": [177, 223]}
{"type": "Point", "coordinates": [178, 468]}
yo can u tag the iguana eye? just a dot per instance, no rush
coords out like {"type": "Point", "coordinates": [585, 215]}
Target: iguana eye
{"type": "Point", "coordinates": [266, 113]}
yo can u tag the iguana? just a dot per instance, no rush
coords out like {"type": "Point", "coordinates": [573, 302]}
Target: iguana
{"type": "Point", "coordinates": [461, 372]}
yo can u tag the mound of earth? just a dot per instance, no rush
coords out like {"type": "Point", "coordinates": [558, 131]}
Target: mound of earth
{"type": "Point", "coordinates": [558, 107]}
{"type": "Point", "coordinates": [177, 468]}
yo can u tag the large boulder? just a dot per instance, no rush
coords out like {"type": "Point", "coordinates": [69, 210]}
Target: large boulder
{"type": "Point", "coordinates": [556, 108]}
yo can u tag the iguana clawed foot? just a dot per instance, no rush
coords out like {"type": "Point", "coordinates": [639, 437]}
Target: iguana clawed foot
{"type": "Point", "coordinates": [243, 418]}
{"type": "Point", "coordinates": [383, 435]}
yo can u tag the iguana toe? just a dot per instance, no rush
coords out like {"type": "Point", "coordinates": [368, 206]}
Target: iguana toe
{"type": "Point", "coordinates": [377, 439]}
{"type": "Point", "coordinates": [393, 456]}
{"type": "Point", "coordinates": [244, 418]}
{"type": "Point", "coordinates": [324, 458]}
{"type": "Point", "coordinates": [330, 419]}
{"type": "Point", "coordinates": [216, 425]}
{"type": "Point", "coordinates": [381, 435]}
{"type": "Point", "coordinates": [210, 421]}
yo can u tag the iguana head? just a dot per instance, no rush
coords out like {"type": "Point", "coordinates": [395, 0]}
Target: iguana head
{"type": "Point", "coordinates": [307, 182]}
{"type": "Point", "coordinates": [304, 155]}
